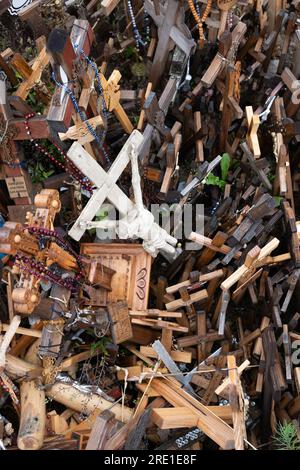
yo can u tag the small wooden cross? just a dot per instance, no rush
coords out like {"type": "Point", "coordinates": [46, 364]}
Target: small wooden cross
{"type": "Point", "coordinates": [156, 111]}
{"type": "Point", "coordinates": [30, 77]}
{"type": "Point", "coordinates": [253, 122]}
{"type": "Point", "coordinates": [38, 66]}
{"type": "Point", "coordinates": [17, 180]}
{"type": "Point", "coordinates": [112, 94]}
{"type": "Point", "coordinates": [14, 239]}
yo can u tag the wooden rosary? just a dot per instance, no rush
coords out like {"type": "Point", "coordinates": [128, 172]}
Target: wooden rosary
{"type": "Point", "coordinates": [200, 20]}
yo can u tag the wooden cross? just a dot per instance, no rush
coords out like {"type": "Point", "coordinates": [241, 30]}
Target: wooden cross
{"type": "Point", "coordinates": [156, 111]}
{"type": "Point", "coordinates": [64, 57]}
{"type": "Point", "coordinates": [254, 260]}
{"type": "Point", "coordinates": [283, 179]}
{"type": "Point", "coordinates": [171, 29]}
{"type": "Point", "coordinates": [37, 69]}
{"type": "Point", "coordinates": [24, 69]}
{"type": "Point", "coordinates": [227, 46]}
{"type": "Point", "coordinates": [253, 122]}
{"type": "Point", "coordinates": [41, 127]}
{"type": "Point", "coordinates": [11, 154]}
{"type": "Point", "coordinates": [108, 189]}
{"type": "Point", "coordinates": [289, 29]}
{"type": "Point", "coordinates": [274, 382]}
{"type": "Point", "coordinates": [31, 14]}
{"type": "Point", "coordinates": [231, 108]}
{"type": "Point", "coordinates": [15, 239]}
{"type": "Point", "coordinates": [112, 94]}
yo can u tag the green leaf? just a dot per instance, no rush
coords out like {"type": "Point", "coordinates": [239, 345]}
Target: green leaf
{"type": "Point", "coordinates": [277, 200]}
{"type": "Point", "coordinates": [225, 165]}
{"type": "Point", "coordinates": [18, 75]}
{"type": "Point", "coordinates": [286, 437]}
{"type": "Point", "coordinates": [129, 52]}
{"type": "Point", "coordinates": [215, 181]}
{"type": "Point", "coordinates": [271, 177]}
{"type": "Point", "coordinates": [102, 215]}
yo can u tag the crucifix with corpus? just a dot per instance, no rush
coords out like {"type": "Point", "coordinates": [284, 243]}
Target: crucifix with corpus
{"type": "Point", "coordinates": [136, 221]}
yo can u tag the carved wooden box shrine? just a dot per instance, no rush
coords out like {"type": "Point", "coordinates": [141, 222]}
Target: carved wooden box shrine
{"type": "Point", "coordinates": [132, 266]}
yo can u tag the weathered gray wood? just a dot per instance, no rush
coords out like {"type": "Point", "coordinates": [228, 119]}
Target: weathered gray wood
{"type": "Point", "coordinates": [164, 356]}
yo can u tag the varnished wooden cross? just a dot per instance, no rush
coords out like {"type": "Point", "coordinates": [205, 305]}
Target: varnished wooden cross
{"type": "Point", "coordinates": [37, 68]}
{"type": "Point", "coordinates": [112, 94]}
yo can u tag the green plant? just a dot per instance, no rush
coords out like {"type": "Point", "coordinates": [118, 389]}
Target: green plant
{"type": "Point", "coordinates": [286, 438]}
{"type": "Point", "coordinates": [225, 165]}
{"type": "Point", "coordinates": [215, 180]}
{"type": "Point", "coordinates": [277, 200]}
{"type": "Point", "coordinates": [129, 52]}
{"type": "Point", "coordinates": [101, 345]}
{"type": "Point", "coordinates": [39, 173]}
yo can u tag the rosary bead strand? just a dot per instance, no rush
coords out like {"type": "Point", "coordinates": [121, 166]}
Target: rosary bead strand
{"type": "Point", "coordinates": [75, 172]}
{"type": "Point", "coordinates": [200, 20]}
{"type": "Point", "coordinates": [54, 235]}
{"type": "Point", "coordinates": [136, 33]}
{"type": "Point", "coordinates": [82, 116]}
{"type": "Point", "coordinates": [103, 103]}
{"type": "Point", "coordinates": [41, 272]}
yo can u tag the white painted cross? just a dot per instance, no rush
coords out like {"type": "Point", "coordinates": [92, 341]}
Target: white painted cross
{"type": "Point", "coordinates": [137, 221]}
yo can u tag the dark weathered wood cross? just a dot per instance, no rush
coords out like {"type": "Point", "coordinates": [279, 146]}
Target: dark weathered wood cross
{"type": "Point", "coordinates": [171, 30]}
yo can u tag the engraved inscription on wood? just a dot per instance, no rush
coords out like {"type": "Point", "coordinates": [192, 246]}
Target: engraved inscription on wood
{"type": "Point", "coordinates": [16, 187]}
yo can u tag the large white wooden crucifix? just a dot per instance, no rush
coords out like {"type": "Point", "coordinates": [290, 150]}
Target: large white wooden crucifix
{"type": "Point", "coordinates": [136, 221]}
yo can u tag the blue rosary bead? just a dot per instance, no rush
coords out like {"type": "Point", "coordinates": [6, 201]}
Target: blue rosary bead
{"type": "Point", "coordinates": [136, 33]}
{"type": "Point", "coordinates": [82, 116]}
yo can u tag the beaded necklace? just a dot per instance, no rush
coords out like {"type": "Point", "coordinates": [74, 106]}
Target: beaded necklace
{"type": "Point", "coordinates": [40, 271]}
{"type": "Point", "coordinates": [200, 20]}
{"type": "Point", "coordinates": [62, 166]}
{"type": "Point", "coordinates": [136, 33]}
{"type": "Point", "coordinates": [104, 110]}
{"type": "Point", "coordinates": [147, 26]}
{"type": "Point", "coordinates": [82, 115]}
{"type": "Point", "coordinates": [52, 234]}
{"type": "Point", "coordinates": [8, 385]}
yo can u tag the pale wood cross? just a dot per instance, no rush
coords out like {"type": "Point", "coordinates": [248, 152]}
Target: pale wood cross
{"type": "Point", "coordinates": [112, 95]}
{"type": "Point", "coordinates": [171, 29]}
{"type": "Point", "coordinates": [137, 222]}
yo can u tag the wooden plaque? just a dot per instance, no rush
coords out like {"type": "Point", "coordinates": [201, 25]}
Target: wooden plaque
{"type": "Point", "coordinates": [16, 187]}
{"type": "Point", "coordinates": [132, 265]}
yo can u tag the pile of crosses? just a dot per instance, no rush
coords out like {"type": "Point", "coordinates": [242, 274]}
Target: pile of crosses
{"type": "Point", "coordinates": [150, 285]}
